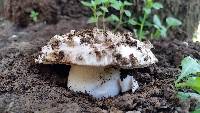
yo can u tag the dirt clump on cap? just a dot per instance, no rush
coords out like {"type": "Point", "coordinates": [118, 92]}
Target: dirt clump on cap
{"type": "Point", "coordinates": [101, 48]}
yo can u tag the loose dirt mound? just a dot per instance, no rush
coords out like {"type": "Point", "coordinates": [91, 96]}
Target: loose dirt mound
{"type": "Point", "coordinates": [27, 87]}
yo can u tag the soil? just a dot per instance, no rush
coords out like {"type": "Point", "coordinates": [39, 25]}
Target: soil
{"type": "Point", "coordinates": [27, 87]}
{"type": "Point", "coordinates": [50, 11]}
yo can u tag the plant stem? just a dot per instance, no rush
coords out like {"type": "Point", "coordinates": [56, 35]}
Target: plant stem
{"type": "Point", "coordinates": [103, 18]}
{"type": "Point", "coordinates": [120, 20]}
{"type": "Point", "coordinates": [97, 22]}
{"type": "Point", "coordinates": [104, 14]}
{"type": "Point", "coordinates": [95, 15]}
{"type": "Point", "coordinates": [104, 28]}
{"type": "Point", "coordinates": [142, 26]}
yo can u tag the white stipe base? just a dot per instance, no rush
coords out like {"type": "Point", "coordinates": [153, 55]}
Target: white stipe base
{"type": "Point", "coordinates": [99, 82]}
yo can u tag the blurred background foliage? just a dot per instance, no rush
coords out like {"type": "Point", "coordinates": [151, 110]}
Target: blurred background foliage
{"type": "Point", "coordinates": [53, 10]}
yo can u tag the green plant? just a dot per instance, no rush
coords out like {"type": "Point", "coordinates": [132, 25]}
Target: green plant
{"type": "Point", "coordinates": [145, 21]}
{"type": "Point", "coordinates": [189, 78]}
{"type": "Point", "coordinates": [196, 111]}
{"type": "Point", "coordinates": [95, 10]}
{"type": "Point", "coordinates": [161, 30]}
{"type": "Point", "coordinates": [152, 27]}
{"type": "Point", "coordinates": [100, 9]}
{"type": "Point", "coordinates": [190, 67]}
{"type": "Point", "coordinates": [148, 6]}
{"type": "Point", "coordinates": [104, 8]}
{"type": "Point", "coordinates": [121, 8]}
{"type": "Point", "coordinates": [34, 16]}
{"type": "Point", "coordinates": [142, 26]}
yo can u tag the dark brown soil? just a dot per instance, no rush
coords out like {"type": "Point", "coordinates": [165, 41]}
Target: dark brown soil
{"type": "Point", "coordinates": [28, 87]}
{"type": "Point", "coordinates": [50, 11]}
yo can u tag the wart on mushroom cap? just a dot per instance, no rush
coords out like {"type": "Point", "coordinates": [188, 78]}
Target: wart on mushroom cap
{"type": "Point", "coordinates": [96, 58]}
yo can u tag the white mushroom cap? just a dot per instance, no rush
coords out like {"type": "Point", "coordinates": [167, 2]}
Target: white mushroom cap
{"type": "Point", "coordinates": [97, 48]}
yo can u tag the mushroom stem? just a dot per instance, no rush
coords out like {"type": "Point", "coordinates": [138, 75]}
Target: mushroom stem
{"type": "Point", "coordinates": [97, 81]}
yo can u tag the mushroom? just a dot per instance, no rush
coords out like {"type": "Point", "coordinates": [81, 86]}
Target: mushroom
{"type": "Point", "coordinates": [96, 57]}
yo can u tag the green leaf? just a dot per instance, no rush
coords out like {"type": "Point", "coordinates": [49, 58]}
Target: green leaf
{"type": "Point", "coordinates": [120, 3]}
{"type": "Point", "coordinates": [93, 3]}
{"type": "Point", "coordinates": [189, 95]}
{"type": "Point", "coordinates": [112, 1]}
{"type": "Point", "coordinates": [97, 2]}
{"type": "Point", "coordinates": [87, 4]}
{"type": "Point", "coordinates": [132, 22]}
{"type": "Point", "coordinates": [192, 82]}
{"type": "Point", "coordinates": [92, 20]}
{"type": "Point", "coordinates": [128, 3]}
{"type": "Point", "coordinates": [99, 13]}
{"type": "Point", "coordinates": [171, 21]}
{"type": "Point", "coordinates": [157, 27]}
{"type": "Point", "coordinates": [156, 34]}
{"type": "Point", "coordinates": [148, 3]}
{"type": "Point", "coordinates": [163, 31]}
{"type": "Point", "coordinates": [157, 5]}
{"type": "Point", "coordinates": [104, 9]}
{"type": "Point", "coordinates": [116, 5]}
{"type": "Point", "coordinates": [113, 18]}
{"type": "Point", "coordinates": [104, 1]}
{"type": "Point", "coordinates": [128, 13]}
{"type": "Point", "coordinates": [189, 66]}
{"type": "Point", "coordinates": [196, 111]}
{"type": "Point", "coordinates": [147, 10]}
{"type": "Point", "coordinates": [156, 20]}
{"type": "Point", "coordinates": [183, 96]}
{"type": "Point", "coordinates": [34, 15]}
